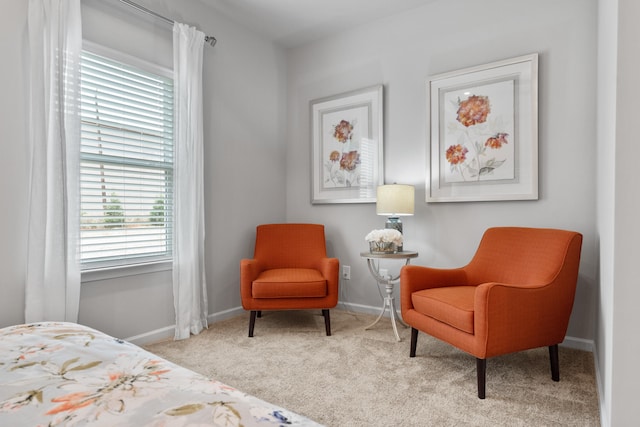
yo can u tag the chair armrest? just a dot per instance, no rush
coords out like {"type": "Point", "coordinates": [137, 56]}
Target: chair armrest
{"type": "Point", "coordinates": [330, 270]}
{"type": "Point", "coordinates": [250, 269]}
{"type": "Point", "coordinates": [511, 318]}
{"type": "Point", "coordinates": [415, 278]}
{"type": "Point", "coordinates": [329, 267]}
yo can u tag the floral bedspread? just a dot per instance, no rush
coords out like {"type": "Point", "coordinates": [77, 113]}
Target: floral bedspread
{"type": "Point", "coordinates": [64, 374]}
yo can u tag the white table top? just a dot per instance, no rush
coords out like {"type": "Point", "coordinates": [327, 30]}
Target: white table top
{"type": "Point", "coordinates": [396, 255]}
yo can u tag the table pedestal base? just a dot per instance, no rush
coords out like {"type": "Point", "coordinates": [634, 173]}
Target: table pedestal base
{"type": "Point", "coordinates": [388, 282]}
{"type": "Point", "coordinates": [389, 303]}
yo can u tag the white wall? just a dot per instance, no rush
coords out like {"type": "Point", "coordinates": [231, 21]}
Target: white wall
{"type": "Point", "coordinates": [13, 160]}
{"type": "Point", "coordinates": [244, 104]}
{"type": "Point", "coordinates": [401, 52]}
{"type": "Point", "coordinates": [607, 68]}
{"type": "Point", "coordinates": [623, 313]}
{"type": "Point", "coordinates": [617, 342]}
{"type": "Point", "coordinates": [606, 113]}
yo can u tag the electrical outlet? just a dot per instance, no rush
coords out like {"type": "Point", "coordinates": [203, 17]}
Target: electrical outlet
{"type": "Point", "coordinates": [346, 272]}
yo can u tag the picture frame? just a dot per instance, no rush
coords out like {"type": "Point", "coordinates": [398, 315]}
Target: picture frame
{"type": "Point", "coordinates": [347, 146]}
{"type": "Point", "coordinates": [484, 132]}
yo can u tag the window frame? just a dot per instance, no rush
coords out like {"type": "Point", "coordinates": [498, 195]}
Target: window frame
{"type": "Point", "coordinates": [145, 265]}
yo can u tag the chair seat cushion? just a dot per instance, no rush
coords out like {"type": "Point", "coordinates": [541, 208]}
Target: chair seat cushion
{"type": "Point", "coordinates": [289, 283]}
{"type": "Point", "coordinates": [452, 305]}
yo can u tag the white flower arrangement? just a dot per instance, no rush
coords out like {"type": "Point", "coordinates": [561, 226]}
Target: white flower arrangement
{"type": "Point", "coordinates": [386, 235]}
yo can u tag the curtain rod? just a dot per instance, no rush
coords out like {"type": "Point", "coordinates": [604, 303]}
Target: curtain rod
{"type": "Point", "coordinates": [209, 39]}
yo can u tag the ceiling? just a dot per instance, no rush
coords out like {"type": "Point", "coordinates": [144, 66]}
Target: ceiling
{"type": "Point", "coordinates": [291, 23]}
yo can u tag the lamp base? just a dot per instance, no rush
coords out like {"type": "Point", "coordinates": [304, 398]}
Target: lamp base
{"type": "Point", "coordinates": [394, 222]}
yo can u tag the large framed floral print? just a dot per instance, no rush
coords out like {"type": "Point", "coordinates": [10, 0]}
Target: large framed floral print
{"type": "Point", "coordinates": [347, 156]}
{"type": "Point", "coordinates": [484, 132]}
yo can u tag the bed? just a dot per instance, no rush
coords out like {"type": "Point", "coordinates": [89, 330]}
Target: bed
{"type": "Point", "coordinates": [64, 374]}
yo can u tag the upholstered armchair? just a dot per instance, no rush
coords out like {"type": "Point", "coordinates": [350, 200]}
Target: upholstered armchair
{"type": "Point", "coordinates": [289, 270]}
{"type": "Point", "coordinates": [515, 294]}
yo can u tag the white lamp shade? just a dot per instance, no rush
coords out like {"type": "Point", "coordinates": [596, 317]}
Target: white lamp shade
{"type": "Point", "coordinates": [395, 200]}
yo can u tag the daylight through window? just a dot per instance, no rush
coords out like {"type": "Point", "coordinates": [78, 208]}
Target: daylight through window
{"type": "Point", "coordinates": [126, 170]}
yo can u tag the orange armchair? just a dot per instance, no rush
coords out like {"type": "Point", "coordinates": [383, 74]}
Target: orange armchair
{"type": "Point", "coordinates": [515, 294]}
{"type": "Point", "coordinates": [289, 271]}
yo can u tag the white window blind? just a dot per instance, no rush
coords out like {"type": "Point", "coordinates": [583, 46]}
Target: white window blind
{"type": "Point", "coordinates": [126, 170]}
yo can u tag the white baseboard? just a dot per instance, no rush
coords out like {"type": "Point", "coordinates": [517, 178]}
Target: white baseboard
{"type": "Point", "coordinates": [360, 308]}
{"type": "Point", "coordinates": [578, 344]}
{"type": "Point", "coordinates": [168, 332]}
{"type": "Point", "coordinates": [224, 315]}
{"type": "Point", "coordinates": [604, 411]}
{"type": "Point", "coordinates": [155, 336]}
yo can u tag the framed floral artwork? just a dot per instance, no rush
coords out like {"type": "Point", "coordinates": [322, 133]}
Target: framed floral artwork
{"type": "Point", "coordinates": [484, 132]}
{"type": "Point", "coordinates": [347, 156]}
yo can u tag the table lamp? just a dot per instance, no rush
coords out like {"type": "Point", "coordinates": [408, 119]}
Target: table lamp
{"type": "Point", "coordinates": [394, 201]}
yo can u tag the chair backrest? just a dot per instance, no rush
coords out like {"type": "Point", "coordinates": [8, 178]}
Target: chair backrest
{"type": "Point", "coordinates": [518, 255]}
{"type": "Point", "coordinates": [290, 245]}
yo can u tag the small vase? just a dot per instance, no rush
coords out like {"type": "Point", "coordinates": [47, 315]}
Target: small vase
{"type": "Point", "coordinates": [382, 248]}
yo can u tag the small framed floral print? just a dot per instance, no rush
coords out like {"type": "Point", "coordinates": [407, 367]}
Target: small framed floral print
{"type": "Point", "coordinates": [347, 150]}
{"type": "Point", "coordinates": [484, 132]}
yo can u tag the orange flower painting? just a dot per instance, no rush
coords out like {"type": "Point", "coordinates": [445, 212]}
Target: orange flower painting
{"type": "Point", "coordinates": [343, 131]}
{"type": "Point", "coordinates": [483, 132]}
{"type": "Point", "coordinates": [497, 140]}
{"type": "Point", "coordinates": [346, 138]}
{"type": "Point", "coordinates": [342, 165]}
{"type": "Point", "coordinates": [456, 154]}
{"type": "Point", "coordinates": [479, 124]}
{"type": "Point", "coordinates": [474, 110]}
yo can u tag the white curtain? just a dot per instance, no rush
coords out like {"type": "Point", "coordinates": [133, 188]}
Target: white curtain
{"type": "Point", "coordinates": [189, 284]}
{"type": "Point", "coordinates": [52, 288]}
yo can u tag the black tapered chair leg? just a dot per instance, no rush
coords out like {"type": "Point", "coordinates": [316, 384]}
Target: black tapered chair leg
{"type": "Point", "coordinates": [555, 362]}
{"type": "Point", "coordinates": [482, 376]}
{"type": "Point", "coordinates": [414, 342]}
{"type": "Point", "coordinates": [252, 322]}
{"type": "Point", "coordinates": [327, 322]}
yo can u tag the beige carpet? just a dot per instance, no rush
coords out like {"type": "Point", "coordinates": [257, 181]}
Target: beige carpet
{"type": "Point", "coordinates": [366, 378]}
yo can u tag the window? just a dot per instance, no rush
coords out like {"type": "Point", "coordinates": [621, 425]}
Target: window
{"type": "Point", "coordinates": [126, 170]}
